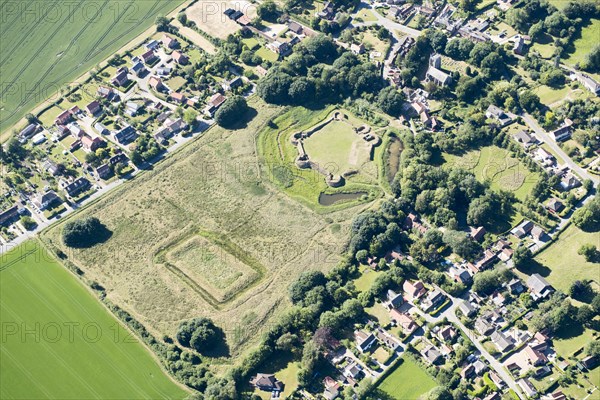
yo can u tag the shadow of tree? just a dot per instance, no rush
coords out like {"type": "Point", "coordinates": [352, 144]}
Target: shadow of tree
{"type": "Point", "coordinates": [534, 267]}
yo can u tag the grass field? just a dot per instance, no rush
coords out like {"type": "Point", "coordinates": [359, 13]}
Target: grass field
{"type": "Point", "coordinates": [565, 265]}
{"type": "Point", "coordinates": [366, 15]}
{"type": "Point", "coordinates": [495, 165]}
{"type": "Point", "coordinates": [585, 43]}
{"type": "Point", "coordinates": [56, 41]}
{"type": "Point", "coordinates": [215, 184]}
{"type": "Point", "coordinates": [266, 54]}
{"type": "Point", "coordinates": [407, 381]}
{"type": "Point", "coordinates": [94, 359]}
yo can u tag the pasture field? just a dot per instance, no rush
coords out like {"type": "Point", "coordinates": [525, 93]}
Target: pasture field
{"type": "Point", "coordinates": [494, 164]}
{"type": "Point", "coordinates": [215, 185]}
{"type": "Point", "coordinates": [209, 17]}
{"type": "Point", "coordinates": [585, 43]}
{"type": "Point", "coordinates": [97, 358]}
{"type": "Point", "coordinates": [564, 264]}
{"type": "Point", "coordinates": [306, 185]}
{"type": "Point", "coordinates": [47, 44]}
{"type": "Point", "coordinates": [407, 381]}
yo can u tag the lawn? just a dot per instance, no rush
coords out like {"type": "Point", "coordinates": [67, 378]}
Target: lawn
{"type": "Point", "coordinates": [407, 381]}
{"type": "Point", "coordinates": [94, 359]}
{"type": "Point", "coordinates": [550, 95]}
{"type": "Point", "coordinates": [566, 347]}
{"type": "Point", "coordinates": [41, 54]}
{"type": "Point", "coordinates": [366, 279]}
{"type": "Point", "coordinates": [366, 15]}
{"type": "Point", "coordinates": [214, 184]}
{"type": "Point", "coordinates": [494, 164]}
{"type": "Point", "coordinates": [267, 54]}
{"type": "Point", "coordinates": [176, 83]}
{"type": "Point", "coordinates": [251, 43]}
{"type": "Point", "coordinates": [564, 264]}
{"type": "Point", "coordinates": [585, 43]}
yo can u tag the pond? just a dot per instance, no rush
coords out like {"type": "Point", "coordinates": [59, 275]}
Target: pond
{"type": "Point", "coordinates": [326, 199]}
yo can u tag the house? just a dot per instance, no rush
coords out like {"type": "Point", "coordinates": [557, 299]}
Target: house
{"type": "Point", "coordinates": [538, 233]}
{"type": "Point", "coordinates": [569, 181]}
{"type": "Point", "coordinates": [525, 139]}
{"type": "Point", "coordinates": [522, 229]}
{"type": "Point", "coordinates": [156, 83]}
{"type": "Point", "coordinates": [483, 326]}
{"type": "Point", "coordinates": [244, 20]}
{"type": "Point", "coordinates": [163, 71]}
{"type": "Point", "coordinates": [535, 357]}
{"type": "Point", "coordinates": [414, 290]}
{"type": "Point", "coordinates": [261, 71]}
{"type": "Point", "coordinates": [489, 257]}
{"type": "Point", "coordinates": [497, 380]}
{"type": "Point", "coordinates": [555, 205]}
{"type": "Point", "coordinates": [480, 367]}
{"type": "Point", "coordinates": [77, 187]}
{"type": "Point", "coordinates": [152, 45]}
{"type": "Point", "coordinates": [394, 300]}
{"type": "Point", "coordinates": [519, 45]}
{"type": "Point", "coordinates": [51, 167]}
{"type": "Point", "coordinates": [431, 354]}
{"type": "Point", "coordinates": [139, 69]}
{"type": "Point", "coordinates": [38, 139]}
{"type": "Point", "coordinates": [215, 101]}
{"type": "Point", "coordinates": [148, 57]}
{"type": "Point", "coordinates": [466, 308]}
{"type": "Point", "coordinates": [589, 362]}
{"type": "Point", "coordinates": [281, 48]}
{"type": "Point", "coordinates": [9, 216]}
{"type": "Point", "coordinates": [103, 130]}
{"type": "Point", "coordinates": [295, 27]}
{"type": "Point", "coordinates": [505, 254]}
{"type": "Point", "coordinates": [63, 118]}
{"type": "Point", "coordinates": [478, 233]}
{"type": "Point", "coordinates": [496, 113]}
{"type": "Point", "coordinates": [180, 58]}
{"type": "Point", "coordinates": [364, 341]}
{"type": "Point", "coordinates": [163, 135]}
{"type": "Point", "coordinates": [539, 287]}
{"type": "Point", "coordinates": [29, 131]}
{"type": "Point", "coordinates": [176, 125]}
{"type": "Point", "coordinates": [434, 299]}
{"type": "Point", "coordinates": [332, 388]}
{"type": "Point", "coordinates": [93, 108]}
{"type": "Point", "coordinates": [132, 108]}
{"type": "Point", "coordinates": [460, 275]}
{"type": "Point", "coordinates": [447, 333]}
{"type": "Point", "coordinates": [404, 321]}
{"type": "Point", "coordinates": [178, 98]}
{"type": "Point", "coordinates": [118, 158]}
{"type": "Point", "coordinates": [120, 78]}
{"type": "Point", "coordinates": [467, 372]}
{"type": "Point", "coordinates": [125, 135]}
{"type": "Point", "coordinates": [515, 286]}
{"type": "Point", "coordinates": [47, 200]}
{"type": "Point", "coordinates": [357, 48]}
{"type": "Point", "coordinates": [328, 12]}
{"type": "Point", "coordinates": [267, 383]}
{"type": "Point", "coordinates": [587, 81]}
{"type": "Point", "coordinates": [503, 342]}
{"type": "Point", "coordinates": [353, 370]}
{"type": "Point", "coordinates": [558, 395]}
{"type": "Point", "coordinates": [91, 144]}
{"type": "Point", "coordinates": [387, 339]}
{"type": "Point", "coordinates": [563, 132]}
{"type": "Point", "coordinates": [105, 92]}
{"type": "Point", "coordinates": [169, 42]}
{"type": "Point", "coordinates": [232, 84]}
{"type": "Point", "coordinates": [104, 171]}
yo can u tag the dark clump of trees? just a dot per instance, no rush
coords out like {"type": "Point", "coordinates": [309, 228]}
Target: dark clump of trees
{"type": "Point", "coordinates": [232, 111]}
{"type": "Point", "coordinates": [588, 217]}
{"type": "Point", "coordinates": [85, 232]}
{"type": "Point", "coordinates": [200, 334]}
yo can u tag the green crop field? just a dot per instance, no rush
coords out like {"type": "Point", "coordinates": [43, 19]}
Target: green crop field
{"type": "Point", "coordinates": [495, 165]}
{"type": "Point", "coordinates": [407, 381]}
{"type": "Point", "coordinates": [45, 45]}
{"type": "Point", "coordinates": [563, 262]}
{"type": "Point", "coordinates": [59, 342]}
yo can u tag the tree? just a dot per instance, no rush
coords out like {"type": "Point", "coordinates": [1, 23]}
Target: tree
{"type": "Point", "coordinates": [522, 256]}
{"type": "Point", "coordinates": [200, 334]}
{"type": "Point", "coordinates": [529, 101]}
{"type": "Point", "coordinates": [182, 18]}
{"type": "Point", "coordinates": [232, 111]}
{"type": "Point", "coordinates": [536, 31]}
{"type": "Point", "coordinates": [587, 217]}
{"type": "Point", "coordinates": [589, 252]}
{"type": "Point", "coordinates": [268, 11]}
{"type": "Point", "coordinates": [486, 282]}
{"type": "Point", "coordinates": [189, 116]}
{"type": "Point", "coordinates": [221, 388]}
{"type": "Point", "coordinates": [274, 88]}
{"type": "Point", "coordinates": [28, 222]}
{"type": "Point", "coordinates": [162, 23]}
{"type": "Point", "coordinates": [84, 232]}
{"type": "Point", "coordinates": [592, 60]}
{"type": "Point", "coordinates": [302, 91]}
{"type": "Point", "coordinates": [593, 348]}
{"type": "Point", "coordinates": [580, 290]}
{"type": "Point", "coordinates": [461, 244]}
{"type": "Point", "coordinates": [585, 314]}
{"type": "Point", "coordinates": [31, 119]}
{"type": "Point", "coordinates": [390, 101]}
{"type": "Point", "coordinates": [305, 282]}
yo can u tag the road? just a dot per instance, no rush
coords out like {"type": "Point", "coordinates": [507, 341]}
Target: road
{"type": "Point", "coordinates": [543, 135]}
{"type": "Point", "coordinates": [392, 26]}
{"type": "Point", "coordinates": [450, 314]}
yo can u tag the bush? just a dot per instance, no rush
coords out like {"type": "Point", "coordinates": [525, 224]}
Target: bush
{"type": "Point", "coordinates": [231, 111]}
{"type": "Point", "coordinates": [85, 232]}
{"type": "Point", "coordinates": [200, 334]}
